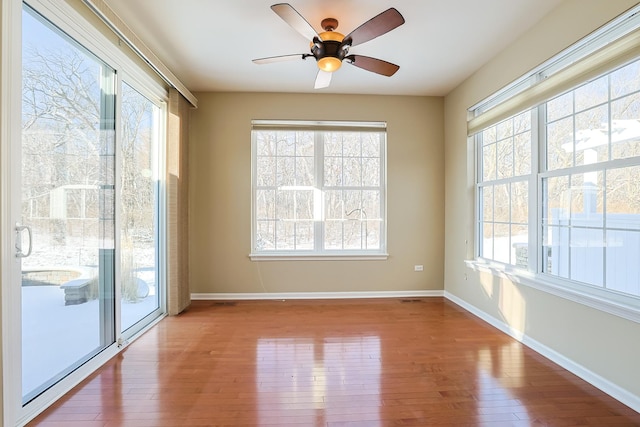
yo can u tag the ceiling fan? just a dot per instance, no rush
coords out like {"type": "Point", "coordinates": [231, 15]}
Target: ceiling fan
{"type": "Point", "coordinates": [330, 48]}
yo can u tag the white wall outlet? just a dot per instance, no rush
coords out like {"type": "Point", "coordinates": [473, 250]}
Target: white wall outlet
{"type": "Point", "coordinates": [418, 268]}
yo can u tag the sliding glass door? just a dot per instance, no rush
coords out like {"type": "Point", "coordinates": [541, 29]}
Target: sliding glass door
{"type": "Point", "coordinates": [88, 242]}
{"type": "Point", "coordinates": [140, 191]}
{"type": "Point", "coordinates": [66, 230]}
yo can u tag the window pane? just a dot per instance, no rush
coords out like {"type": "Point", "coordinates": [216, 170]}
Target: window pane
{"type": "Point", "coordinates": [504, 129]}
{"type": "Point", "coordinates": [505, 158]}
{"type": "Point", "coordinates": [560, 144]}
{"type": "Point", "coordinates": [333, 234]}
{"type": "Point", "coordinates": [560, 107]}
{"type": "Point", "coordinates": [370, 144]}
{"type": "Point", "coordinates": [266, 144]}
{"type": "Point", "coordinates": [304, 207]}
{"type": "Point", "coordinates": [304, 171]}
{"type": "Point", "coordinates": [284, 205]}
{"type": "Point", "coordinates": [265, 204]}
{"type": "Point", "coordinates": [489, 170]}
{"type": "Point", "coordinates": [352, 172]}
{"type": "Point", "coordinates": [556, 251]}
{"type": "Point", "coordinates": [304, 235]}
{"type": "Point", "coordinates": [486, 250]}
{"type": "Point", "coordinates": [265, 235]}
{"type": "Point", "coordinates": [522, 154]}
{"type": "Point", "coordinates": [586, 199]}
{"type": "Point", "coordinates": [286, 143]}
{"type": "Point", "coordinates": [502, 243]}
{"type": "Point", "coordinates": [587, 255]}
{"type": "Point", "coordinates": [625, 123]}
{"type": "Point", "coordinates": [371, 205]}
{"type": "Point", "coordinates": [353, 234]}
{"type": "Point", "coordinates": [487, 203]}
{"type": "Point", "coordinates": [557, 200]}
{"type": "Point", "coordinates": [520, 245]}
{"type": "Point", "coordinates": [332, 171]}
{"type": "Point", "coordinates": [489, 136]}
{"type": "Point", "coordinates": [591, 94]}
{"type": "Point", "coordinates": [351, 144]}
{"type": "Point", "coordinates": [332, 144]}
{"type": "Point", "coordinates": [266, 171]}
{"type": "Point", "coordinates": [501, 203]}
{"type": "Point", "coordinates": [623, 198]}
{"type": "Point", "coordinates": [334, 205]}
{"type": "Point", "coordinates": [625, 80]}
{"type": "Point", "coordinates": [623, 268]}
{"type": "Point", "coordinates": [285, 171]}
{"type": "Point", "coordinates": [285, 235]}
{"type": "Point", "coordinates": [592, 136]}
{"type": "Point", "coordinates": [372, 234]}
{"type": "Point", "coordinates": [520, 202]}
{"type": "Point", "coordinates": [371, 172]}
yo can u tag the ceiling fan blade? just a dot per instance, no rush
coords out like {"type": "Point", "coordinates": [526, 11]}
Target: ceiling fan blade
{"type": "Point", "coordinates": [295, 20]}
{"type": "Point", "coordinates": [373, 64]}
{"type": "Point", "coordinates": [323, 79]}
{"type": "Point", "coordinates": [376, 26]}
{"type": "Point", "coordinates": [280, 58]}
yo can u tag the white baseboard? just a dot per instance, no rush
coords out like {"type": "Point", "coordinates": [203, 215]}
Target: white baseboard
{"type": "Point", "coordinates": [613, 390]}
{"type": "Point", "coordinates": [316, 295]}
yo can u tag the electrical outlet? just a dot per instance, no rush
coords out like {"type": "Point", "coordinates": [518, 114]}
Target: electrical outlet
{"type": "Point", "coordinates": [418, 268]}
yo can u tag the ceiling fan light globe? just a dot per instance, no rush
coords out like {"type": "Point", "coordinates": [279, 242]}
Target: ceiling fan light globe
{"type": "Point", "coordinates": [329, 64]}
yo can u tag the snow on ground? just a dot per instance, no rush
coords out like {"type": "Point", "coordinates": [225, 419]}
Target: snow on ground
{"type": "Point", "coordinates": [55, 335]}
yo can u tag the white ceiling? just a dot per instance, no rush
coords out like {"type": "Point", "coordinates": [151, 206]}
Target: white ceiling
{"type": "Point", "coordinates": [209, 44]}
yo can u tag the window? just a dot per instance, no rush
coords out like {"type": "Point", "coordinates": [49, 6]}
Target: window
{"type": "Point", "coordinates": [505, 170]}
{"type": "Point", "coordinates": [318, 189]}
{"type": "Point", "coordinates": [591, 183]}
{"type": "Point", "coordinates": [558, 176]}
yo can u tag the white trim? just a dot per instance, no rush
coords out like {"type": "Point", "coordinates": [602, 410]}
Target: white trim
{"type": "Point", "coordinates": [611, 303]}
{"type": "Point", "coordinates": [316, 295]}
{"type": "Point", "coordinates": [603, 384]}
{"type": "Point", "coordinates": [10, 131]}
{"type": "Point", "coordinates": [318, 257]}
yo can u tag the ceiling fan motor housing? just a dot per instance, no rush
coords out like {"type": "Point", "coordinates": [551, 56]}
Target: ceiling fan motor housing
{"type": "Point", "coordinates": [329, 49]}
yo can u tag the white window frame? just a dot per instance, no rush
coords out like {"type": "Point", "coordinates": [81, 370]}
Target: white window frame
{"type": "Point", "coordinates": [623, 305]}
{"type": "Point", "coordinates": [318, 252]}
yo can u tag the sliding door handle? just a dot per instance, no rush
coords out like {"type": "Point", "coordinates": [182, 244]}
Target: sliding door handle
{"type": "Point", "coordinates": [19, 230]}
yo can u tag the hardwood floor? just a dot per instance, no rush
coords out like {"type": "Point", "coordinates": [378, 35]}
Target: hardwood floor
{"type": "Point", "coordinates": [382, 362]}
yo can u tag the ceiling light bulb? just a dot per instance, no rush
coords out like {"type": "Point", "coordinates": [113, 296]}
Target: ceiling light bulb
{"type": "Point", "coordinates": [329, 64]}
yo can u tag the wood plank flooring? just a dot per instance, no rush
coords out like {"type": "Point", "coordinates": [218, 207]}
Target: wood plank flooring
{"type": "Point", "coordinates": [332, 363]}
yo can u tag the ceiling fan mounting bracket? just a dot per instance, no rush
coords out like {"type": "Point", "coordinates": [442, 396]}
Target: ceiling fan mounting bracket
{"type": "Point", "coordinates": [329, 24]}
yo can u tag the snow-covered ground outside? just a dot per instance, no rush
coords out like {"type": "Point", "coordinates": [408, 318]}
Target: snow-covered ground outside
{"type": "Point", "coordinates": [55, 335]}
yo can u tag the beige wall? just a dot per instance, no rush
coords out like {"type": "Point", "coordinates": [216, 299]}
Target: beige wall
{"type": "Point", "coordinates": [220, 195]}
{"type": "Point", "coordinates": [604, 344]}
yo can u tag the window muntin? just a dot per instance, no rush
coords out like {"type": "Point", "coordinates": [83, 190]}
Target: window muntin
{"type": "Point", "coordinates": [318, 192]}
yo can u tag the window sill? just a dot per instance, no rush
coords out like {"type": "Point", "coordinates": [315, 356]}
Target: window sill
{"type": "Point", "coordinates": [319, 257]}
{"type": "Point", "coordinates": [619, 305]}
